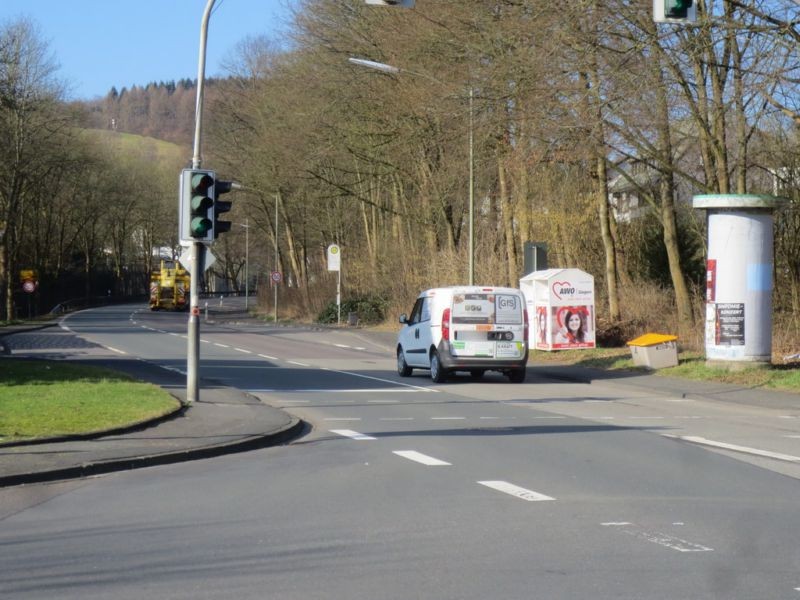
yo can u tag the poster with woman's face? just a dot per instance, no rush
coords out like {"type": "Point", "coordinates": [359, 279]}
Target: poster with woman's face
{"type": "Point", "coordinates": [541, 327]}
{"type": "Point", "coordinates": [573, 327]}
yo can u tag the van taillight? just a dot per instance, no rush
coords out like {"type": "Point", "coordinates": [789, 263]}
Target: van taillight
{"type": "Point", "coordinates": [446, 325]}
{"type": "Point", "coordinates": [525, 320]}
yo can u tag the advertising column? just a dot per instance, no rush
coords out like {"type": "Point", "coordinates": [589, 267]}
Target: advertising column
{"type": "Point", "coordinates": [739, 277]}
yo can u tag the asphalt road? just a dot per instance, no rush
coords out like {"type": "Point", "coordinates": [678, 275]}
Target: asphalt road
{"type": "Point", "coordinates": [406, 489]}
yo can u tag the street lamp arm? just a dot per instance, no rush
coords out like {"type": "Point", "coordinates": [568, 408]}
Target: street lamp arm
{"type": "Point", "coordinates": [201, 70]}
{"type": "Point", "coordinates": [377, 66]}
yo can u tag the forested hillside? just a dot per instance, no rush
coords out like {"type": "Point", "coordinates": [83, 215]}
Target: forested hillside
{"type": "Point", "coordinates": [163, 110]}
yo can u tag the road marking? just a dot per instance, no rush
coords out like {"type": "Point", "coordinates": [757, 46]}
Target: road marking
{"type": "Point", "coordinates": [221, 345]}
{"type": "Point", "coordinates": [792, 436]}
{"type": "Point", "coordinates": [359, 348]}
{"type": "Point", "coordinates": [735, 448]}
{"type": "Point", "coordinates": [353, 435]}
{"type": "Point", "coordinates": [408, 385]}
{"type": "Point", "coordinates": [205, 341]}
{"type": "Point", "coordinates": [421, 458]}
{"type": "Point", "coordinates": [662, 539]}
{"type": "Point", "coordinates": [243, 351]}
{"type": "Point", "coordinates": [299, 364]}
{"type": "Point", "coordinates": [516, 491]}
{"type": "Point", "coordinates": [341, 346]}
{"type": "Point", "coordinates": [115, 350]}
{"type": "Point", "coordinates": [268, 357]}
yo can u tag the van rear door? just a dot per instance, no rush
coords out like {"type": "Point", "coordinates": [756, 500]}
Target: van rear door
{"type": "Point", "coordinates": [487, 324]}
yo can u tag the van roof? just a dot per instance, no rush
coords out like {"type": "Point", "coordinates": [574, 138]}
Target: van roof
{"type": "Point", "coordinates": [471, 289]}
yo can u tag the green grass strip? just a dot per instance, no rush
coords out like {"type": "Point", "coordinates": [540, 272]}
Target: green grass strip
{"type": "Point", "coordinates": [46, 399]}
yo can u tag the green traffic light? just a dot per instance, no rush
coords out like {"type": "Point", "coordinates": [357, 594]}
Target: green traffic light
{"type": "Point", "coordinates": [200, 226]}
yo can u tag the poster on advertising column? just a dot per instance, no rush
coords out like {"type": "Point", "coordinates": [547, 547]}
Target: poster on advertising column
{"type": "Point", "coordinates": [729, 329]}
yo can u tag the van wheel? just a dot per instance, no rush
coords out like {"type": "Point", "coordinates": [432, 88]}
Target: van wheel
{"type": "Point", "coordinates": [516, 375]}
{"type": "Point", "coordinates": [438, 374]}
{"type": "Point", "coordinates": [402, 367]}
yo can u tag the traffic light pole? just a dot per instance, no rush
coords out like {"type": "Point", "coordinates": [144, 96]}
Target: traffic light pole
{"type": "Point", "coordinates": [193, 331]}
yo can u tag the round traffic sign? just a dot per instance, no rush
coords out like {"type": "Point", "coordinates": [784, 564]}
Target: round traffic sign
{"type": "Point", "coordinates": [28, 286]}
{"type": "Point", "coordinates": [276, 276]}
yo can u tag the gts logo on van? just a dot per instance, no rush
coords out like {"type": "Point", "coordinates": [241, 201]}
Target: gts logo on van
{"type": "Point", "coordinates": [509, 302]}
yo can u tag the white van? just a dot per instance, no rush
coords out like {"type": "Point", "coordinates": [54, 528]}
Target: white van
{"type": "Point", "coordinates": [465, 328]}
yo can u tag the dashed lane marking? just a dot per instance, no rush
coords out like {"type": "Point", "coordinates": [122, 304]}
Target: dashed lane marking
{"type": "Point", "coordinates": [516, 491]}
{"type": "Point", "coordinates": [424, 459]}
{"type": "Point", "coordinates": [353, 435]}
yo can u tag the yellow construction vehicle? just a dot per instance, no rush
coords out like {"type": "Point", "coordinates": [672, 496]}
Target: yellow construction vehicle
{"type": "Point", "coordinates": [169, 287]}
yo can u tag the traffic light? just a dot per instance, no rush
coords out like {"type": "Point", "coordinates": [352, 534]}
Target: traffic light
{"type": "Point", "coordinates": [221, 187]}
{"type": "Point", "coordinates": [674, 11]}
{"type": "Point", "coordinates": [196, 205]}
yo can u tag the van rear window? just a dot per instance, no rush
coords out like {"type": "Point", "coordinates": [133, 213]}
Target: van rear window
{"type": "Point", "coordinates": [484, 309]}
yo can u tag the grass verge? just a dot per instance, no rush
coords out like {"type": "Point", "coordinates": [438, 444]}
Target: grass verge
{"type": "Point", "coordinates": [40, 399]}
{"type": "Point", "coordinates": [691, 365]}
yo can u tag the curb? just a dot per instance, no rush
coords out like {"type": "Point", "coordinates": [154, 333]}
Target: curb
{"type": "Point", "coordinates": [295, 428]}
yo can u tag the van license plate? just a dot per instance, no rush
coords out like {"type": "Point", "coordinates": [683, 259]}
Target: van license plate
{"type": "Point", "coordinates": [482, 349]}
{"type": "Point", "coordinates": [509, 349]}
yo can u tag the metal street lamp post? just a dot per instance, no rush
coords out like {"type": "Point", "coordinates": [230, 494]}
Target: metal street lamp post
{"type": "Point", "coordinates": [197, 253]}
{"type": "Point", "coordinates": [246, 226]}
{"type": "Point", "coordinates": [391, 69]}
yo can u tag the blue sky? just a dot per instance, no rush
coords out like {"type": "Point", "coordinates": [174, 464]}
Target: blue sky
{"type": "Point", "coordinates": [105, 43]}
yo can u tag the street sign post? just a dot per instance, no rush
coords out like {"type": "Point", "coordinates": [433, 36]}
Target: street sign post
{"type": "Point", "coordinates": [335, 264]}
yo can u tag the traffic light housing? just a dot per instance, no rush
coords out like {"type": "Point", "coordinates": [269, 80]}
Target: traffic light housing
{"type": "Point", "coordinates": [196, 205]}
{"type": "Point", "coordinates": [220, 207]}
{"type": "Point", "coordinates": [200, 206]}
{"type": "Point", "coordinates": [674, 11]}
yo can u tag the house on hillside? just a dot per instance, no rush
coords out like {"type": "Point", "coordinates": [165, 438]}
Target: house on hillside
{"type": "Point", "coordinates": [627, 189]}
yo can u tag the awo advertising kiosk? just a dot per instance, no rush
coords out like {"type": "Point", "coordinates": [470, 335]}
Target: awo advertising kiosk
{"type": "Point", "coordinates": [560, 304]}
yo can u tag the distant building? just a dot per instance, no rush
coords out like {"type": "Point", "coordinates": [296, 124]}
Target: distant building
{"type": "Point", "coordinates": [626, 191]}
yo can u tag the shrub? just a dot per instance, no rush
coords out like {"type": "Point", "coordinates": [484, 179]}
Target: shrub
{"type": "Point", "coordinates": [369, 310]}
